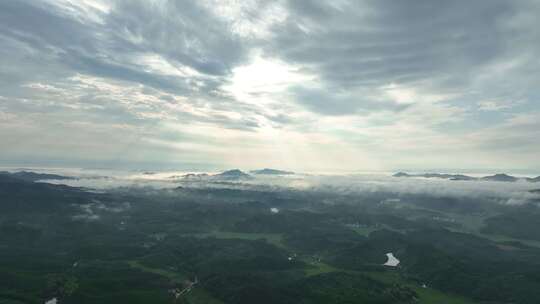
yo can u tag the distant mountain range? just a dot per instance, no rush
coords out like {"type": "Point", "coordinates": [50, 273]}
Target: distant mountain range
{"type": "Point", "coordinates": [229, 175]}
{"type": "Point", "coordinates": [500, 177]}
{"type": "Point", "coordinates": [232, 175]}
{"type": "Point", "coordinates": [33, 176]}
{"type": "Point", "coordinates": [267, 171]}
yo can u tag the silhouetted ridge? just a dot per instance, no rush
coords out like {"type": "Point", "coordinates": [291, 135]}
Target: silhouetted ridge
{"type": "Point", "coordinates": [233, 174]}
{"type": "Point", "coordinates": [500, 177]}
{"type": "Point", "coordinates": [33, 176]}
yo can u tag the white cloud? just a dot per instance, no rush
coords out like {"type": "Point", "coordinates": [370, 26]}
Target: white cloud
{"type": "Point", "coordinates": [492, 105]}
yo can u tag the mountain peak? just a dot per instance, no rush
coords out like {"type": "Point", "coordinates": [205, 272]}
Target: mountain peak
{"type": "Point", "coordinates": [233, 174]}
{"type": "Point", "coordinates": [500, 177]}
{"type": "Point", "coordinates": [401, 174]}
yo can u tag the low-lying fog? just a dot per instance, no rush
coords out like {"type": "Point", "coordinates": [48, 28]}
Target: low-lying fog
{"type": "Point", "coordinates": [508, 192]}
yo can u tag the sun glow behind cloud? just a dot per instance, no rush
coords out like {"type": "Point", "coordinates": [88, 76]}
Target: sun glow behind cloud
{"type": "Point", "coordinates": [264, 77]}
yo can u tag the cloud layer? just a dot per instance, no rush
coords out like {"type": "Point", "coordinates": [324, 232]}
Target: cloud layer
{"type": "Point", "coordinates": [302, 85]}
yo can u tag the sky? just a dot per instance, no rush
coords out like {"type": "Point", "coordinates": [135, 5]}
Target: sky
{"type": "Point", "coordinates": [300, 85]}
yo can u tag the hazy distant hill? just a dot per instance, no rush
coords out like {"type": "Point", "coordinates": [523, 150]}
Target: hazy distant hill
{"type": "Point", "coordinates": [268, 171]}
{"type": "Point", "coordinates": [33, 176]}
{"type": "Point", "coordinates": [402, 174]}
{"type": "Point", "coordinates": [233, 174]}
{"type": "Point", "coordinates": [195, 176]}
{"type": "Point", "coordinates": [436, 175]}
{"type": "Point", "coordinates": [229, 175]}
{"type": "Point", "coordinates": [501, 177]}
